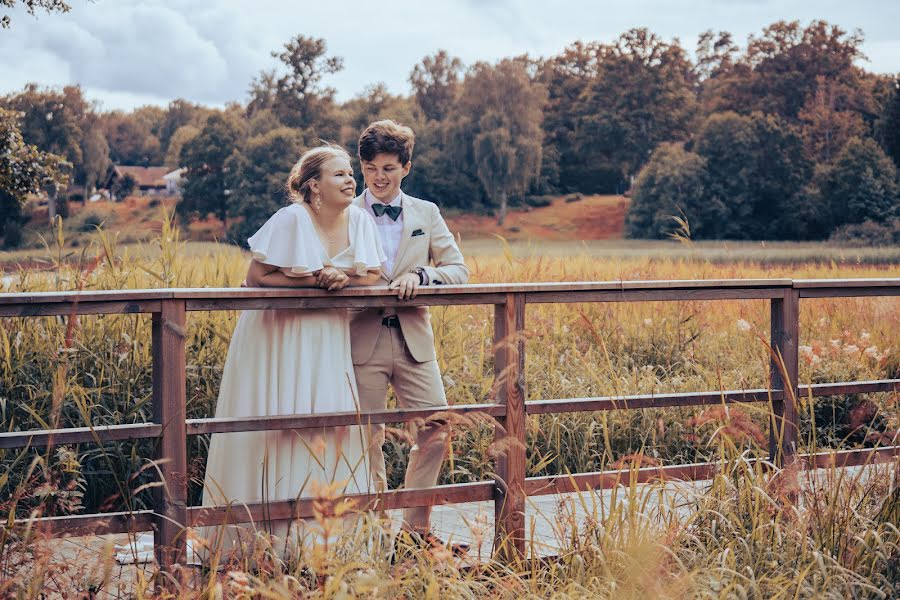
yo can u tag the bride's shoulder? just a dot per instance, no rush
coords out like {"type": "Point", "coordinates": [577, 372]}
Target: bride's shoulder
{"type": "Point", "coordinates": [359, 214]}
{"type": "Point", "coordinates": [293, 213]}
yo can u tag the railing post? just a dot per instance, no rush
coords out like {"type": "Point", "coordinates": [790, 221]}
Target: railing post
{"type": "Point", "coordinates": [509, 373]}
{"type": "Point", "coordinates": [785, 334]}
{"type": "Point", "coordinates": [169, 395]}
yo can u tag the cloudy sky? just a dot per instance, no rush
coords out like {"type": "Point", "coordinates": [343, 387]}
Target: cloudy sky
{"type": "Point", "coordinates": [126, 53]}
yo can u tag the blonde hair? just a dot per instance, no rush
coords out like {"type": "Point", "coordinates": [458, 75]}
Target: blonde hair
{"type": "Point", "coordinates": [309, 167]}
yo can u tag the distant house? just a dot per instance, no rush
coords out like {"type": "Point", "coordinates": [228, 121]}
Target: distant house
{"type": "Point", "coordinates": [174, 180]}
{"type": "Point", "coordinates": [149, 180]}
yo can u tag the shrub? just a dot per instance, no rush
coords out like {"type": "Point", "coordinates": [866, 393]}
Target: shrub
{"type": "Point", "coordinates": [91, 222]}
{"type": "Point", "coordinates": [538, 201]}
{"type": "Point", "coordinates": [868, 233]}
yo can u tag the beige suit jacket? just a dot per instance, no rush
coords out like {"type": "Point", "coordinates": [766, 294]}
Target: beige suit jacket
{"type": "Point", "coordinates": [426, 242]}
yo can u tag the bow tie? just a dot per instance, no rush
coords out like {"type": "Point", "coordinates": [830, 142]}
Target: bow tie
{"type": "Point", "coordinates": [392, 211]}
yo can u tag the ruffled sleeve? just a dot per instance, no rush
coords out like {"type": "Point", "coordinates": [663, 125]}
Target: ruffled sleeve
{"type": "Point", "coordinates": [368, 253]}
{"type": "Point", "coordinates": [288, 240]}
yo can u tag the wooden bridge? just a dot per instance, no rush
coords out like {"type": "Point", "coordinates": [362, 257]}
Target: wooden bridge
{"type": "Point", "coordinates": [169, 308]}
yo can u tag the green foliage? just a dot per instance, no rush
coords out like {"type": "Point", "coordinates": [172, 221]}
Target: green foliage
{"type": "Point", "coordinates": [779, 70]}
{"type": "Point", "coordinates": [745, 178]}
{"type": "Point", "coordinates": [257, 178]}
{"type": "Point", "coordinates": [755, 168]}
{"type": "Point", "coordinates": [889, 125]}
{"type": "Point", "coordinates": [505, 145]}
{"type": "Point", "coordinates": [435, 83]}
{"type": "Point", "coordinates": [868, 233]}
{"type": "Point", "coordinates": [671, 184]}
{"type": "Point", "coordinates": [123, 186]}
{"type": "Point", "coordinates": [862, 185]}
{"type": "Point", "coordinates": [642, 95]}
{"type": "Point", "coordinates": [440, 174]}
{"type": "Point", "coordinates": [131, 139]}
{"type": "Point", "coordinates": [205, 189]}
{"type": "Point", "coordinates": [296, 96]}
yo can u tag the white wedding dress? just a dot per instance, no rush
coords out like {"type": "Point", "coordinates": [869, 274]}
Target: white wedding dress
{"type": "Point", "coordinates": [283, 362]}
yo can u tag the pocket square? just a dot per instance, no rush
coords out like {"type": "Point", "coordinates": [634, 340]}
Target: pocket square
{"type": "Point", "coordinates": [417, 232]}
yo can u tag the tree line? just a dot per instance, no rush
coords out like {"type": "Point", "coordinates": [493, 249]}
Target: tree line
{"type": "Point", "coordinates": [785, 138]}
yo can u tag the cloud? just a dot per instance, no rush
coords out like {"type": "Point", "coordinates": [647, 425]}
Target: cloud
{"type": "Point", "coordinates": [125, 51]}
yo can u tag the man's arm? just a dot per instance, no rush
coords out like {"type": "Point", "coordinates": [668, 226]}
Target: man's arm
{"type": "Point", "coordinates": [449, 265]}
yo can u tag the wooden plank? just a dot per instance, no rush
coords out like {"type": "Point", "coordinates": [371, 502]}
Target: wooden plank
{"type": "Point", "coordinates": [877, 282]}
{"type": "Point", "coordinates": [481, 288]}
{"type": "Point", "coordinates": [663, 400]}
{"type": "Point", "coordinates": [850, 387]}
{"type": "Point", "coordinates": [94, 524]}
{"type": "Point", "coordinates": [849, 292]}
{"type": "Point", "coordinates": [169, 396]}
{"type": "Point", "coordinates": [25, 298]}
{"type": "Point", "coordinates": [509, 383]}
{"type": "Point", "coordinates": [79, 308]}
{"type": "Point", "coordinates": [851, 458]}
{"type": "Point", "coordinates": [561, 484]}
{"type": "Point", "coordinates": [280, 303]}
{"type": "Point", "coordinates": [784, 369]}
{"type": "Point", "coordinates": [652, 295]}
{"type": "Point", "coordinates": [336, 419]}
{"type": "Point", "coordinates": [77, 435]}
{"type": "Point", "coordinates": [303, 508]}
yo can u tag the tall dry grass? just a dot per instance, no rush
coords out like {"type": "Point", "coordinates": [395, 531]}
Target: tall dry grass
{"type": "Point", "coordinates": [742, 539]}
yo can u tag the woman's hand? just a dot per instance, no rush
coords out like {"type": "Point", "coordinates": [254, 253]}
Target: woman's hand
{"type": "Point", "coordinates": [332, 279]}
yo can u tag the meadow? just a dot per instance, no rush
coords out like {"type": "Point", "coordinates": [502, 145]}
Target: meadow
{"type": "Point", "coordinates": [753, 534]}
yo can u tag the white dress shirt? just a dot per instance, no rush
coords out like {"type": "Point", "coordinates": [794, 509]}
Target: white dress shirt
{"type": "Point", "coordinates": [391, 231]}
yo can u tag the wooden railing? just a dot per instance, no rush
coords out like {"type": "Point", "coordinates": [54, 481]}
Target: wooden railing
{"type": "Point", "coordinates": [169, 308]}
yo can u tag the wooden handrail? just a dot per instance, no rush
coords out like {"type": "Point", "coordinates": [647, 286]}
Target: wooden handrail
{"type": "Point", "coordinates": [169, 307]}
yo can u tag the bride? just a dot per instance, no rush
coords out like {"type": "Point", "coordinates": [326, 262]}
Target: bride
{"type": "Point", "coordinates": [290, 361]}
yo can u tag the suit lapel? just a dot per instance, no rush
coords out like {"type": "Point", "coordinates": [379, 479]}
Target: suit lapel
{"type": "Point", "coordinates": [409, 217]}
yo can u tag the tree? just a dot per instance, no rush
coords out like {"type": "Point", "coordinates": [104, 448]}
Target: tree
{"type": "Point", "coordinates": [182, 135]}
{"type": "Point", "coordinates": [435, 83]}
{"type": "Point", "coordinates": [889, 124]}
{"type": "Point", "coordinates": [205, 157]}
{"type": "Point", "coordinates": [257, 177]}
{"type": "Point", "coordinates": [123, 187]}
{"type": "Point", "coordinates": [567, 77]}
{"type": "Point", "coordinates": [778, 72]}
{"type": "Point", "coordinates": [131, 140]}
{"type": "Point", "coordinates": [54, 121]}
{"type": "Point", "coordinates": [178, 114]}
{"type": "Point", "coordinates": [32, 5]}
{"type": "Point", "coordinates": [297, 96]}
{"type": "Point", "coordinates": [24, 169]}
{"type": "Point", "coordinates": [505, 144]}
{"type": "Point", "coordinates": [862, 185]}
{"type": "Point", "coordinates": [827, 122]}
{"type": "Point", "coordinates": [755, 167]}
{"type": "Point", "coordinates": [95, 159]}
{"type": "Point", "coordinates": [671, 185]}
{"type": "Point", "coordinates": [642, 95]}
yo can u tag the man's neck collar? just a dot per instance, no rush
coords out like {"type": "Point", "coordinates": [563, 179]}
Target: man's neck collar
{"type": "Point", "coordinates": [371, 199]}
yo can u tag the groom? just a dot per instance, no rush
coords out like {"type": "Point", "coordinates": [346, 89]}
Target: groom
{"type": "Point", "coordinates": [396, 345]}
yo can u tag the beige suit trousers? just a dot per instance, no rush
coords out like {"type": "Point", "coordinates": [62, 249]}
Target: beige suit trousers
{"type": "Point", "coordinates": [417, 385]}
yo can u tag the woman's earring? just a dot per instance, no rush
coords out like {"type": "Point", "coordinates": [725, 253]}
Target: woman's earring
{"type": "Point", "coordinates": [317, 203]}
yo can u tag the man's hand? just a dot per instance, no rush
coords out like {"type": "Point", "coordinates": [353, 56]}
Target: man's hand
{"type": "Point", "coordinates": [332, 279]}
{"type": "Point", "coordinates": [406, 285]}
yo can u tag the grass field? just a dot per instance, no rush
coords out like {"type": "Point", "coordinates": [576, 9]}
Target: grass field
{"type": "Point", "coordinates": [750, 535]}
